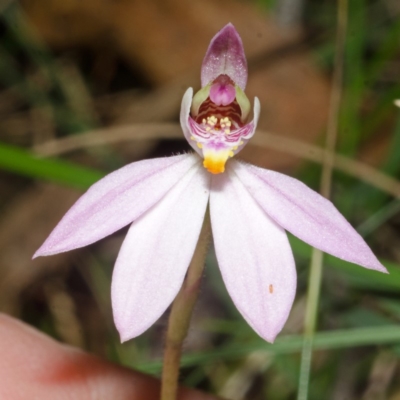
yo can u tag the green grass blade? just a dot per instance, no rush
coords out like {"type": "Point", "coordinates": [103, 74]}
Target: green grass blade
{"type": "Point", "coordinates": [332, 340]}
{"type": "Point", "coordinates": [350, 126]}
{"type": "Point", "coordinates": [23, 162]}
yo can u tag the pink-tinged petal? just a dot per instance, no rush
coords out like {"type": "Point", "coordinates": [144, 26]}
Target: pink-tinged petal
{"type": "Point", "coordinates": [115, 201]}
{"type": "Point", "coordinates": [254, 256]}
{"type": "Point", "coordinates": [154, 256]}
{"type": "Point", "coordinates": [225, 55]}
{"type": "Point", "coordinates": [184, 119]}
{"type": "Point", "coordinates": [306, 214]}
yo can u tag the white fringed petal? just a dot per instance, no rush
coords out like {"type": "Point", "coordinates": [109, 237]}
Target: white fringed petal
{"type": "Point", "coordinates": [254, 256]}
{"type": "Point", "coordinates": [115, 201]}
{"type": "Point", "coordinates": [156, 253]}
{"type": "Point", "coordinates": [184, 119]}
{"type": "Point", "coordinates": [306, 214]}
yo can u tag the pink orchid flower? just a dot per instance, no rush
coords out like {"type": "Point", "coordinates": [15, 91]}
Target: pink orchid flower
{"type": "Point", "coordinates": [165, 201]}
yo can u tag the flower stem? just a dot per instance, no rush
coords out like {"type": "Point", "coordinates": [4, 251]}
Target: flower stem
{"type": "Point", "coordinates": [315, 277]}
{"type": "Point", "coordinates": [179, 319]}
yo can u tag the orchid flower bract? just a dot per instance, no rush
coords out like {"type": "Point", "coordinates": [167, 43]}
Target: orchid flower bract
{"type": "Point", "coordinates": [165, 201]}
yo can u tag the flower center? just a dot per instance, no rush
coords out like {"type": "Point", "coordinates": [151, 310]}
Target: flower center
{"type": "Point", "coordinates": [218, 122]}
{"type": "Point", "coordinates": [219, 118]}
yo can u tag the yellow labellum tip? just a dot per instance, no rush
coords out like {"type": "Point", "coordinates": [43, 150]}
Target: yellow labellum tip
{"type": "Point", "coordinates": [214, 166]}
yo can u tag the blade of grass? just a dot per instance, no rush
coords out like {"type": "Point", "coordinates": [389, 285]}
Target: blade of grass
{"type": "Point", "coordinates": [10, 75]}
{"type": "Point", "coordinates": [381, 113]}
{"type": "Point", "coordinates": [388, 48]}
{"type": "Point", "coordinates": [373, 202]}
{"type": "Point", "coordinates": [315, 274]}
{"type": "Point", "coordinates": [67, 92]}
{"type": "Point", "coordinates": [376, 119]}
{"type": "Point", "coordinates": [355, 82]}
{"type": "Point", "coordinates": [332, 340]}
{"type": "Point", "coordinates": [22, 162]}
{"type": "Point", "coordinates": [379, 218]}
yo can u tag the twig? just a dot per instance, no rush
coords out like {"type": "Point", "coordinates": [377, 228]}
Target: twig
{"type": "Point", "coordinates": [151, 131]}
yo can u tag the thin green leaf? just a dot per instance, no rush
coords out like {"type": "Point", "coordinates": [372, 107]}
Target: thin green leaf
{"type": "Point", "coordinates": [22, 162]}
{"type": "Point", "coordinates": [332, 340]}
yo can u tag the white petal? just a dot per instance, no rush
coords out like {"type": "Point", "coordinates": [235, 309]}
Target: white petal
{"type": "Point", "coordinates": [155, 255]}
{"type": "Point", "coordinates": [115, 201]}
{"type": "Point", "coordinates": [184, 119]}
{"type": "Point", "coordinates": [306, 214]}
{"type": "Point", "coordinates": [254, 256]}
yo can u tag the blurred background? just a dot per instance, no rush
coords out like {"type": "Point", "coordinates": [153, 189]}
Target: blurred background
{"type": "Point", "coordinates": [88, 86]}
